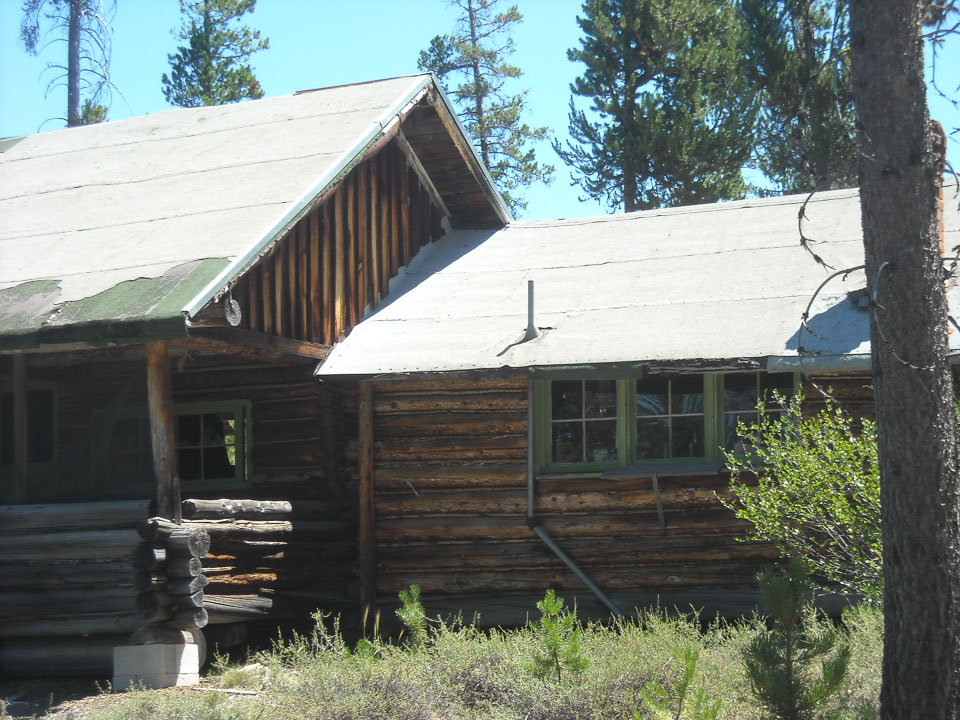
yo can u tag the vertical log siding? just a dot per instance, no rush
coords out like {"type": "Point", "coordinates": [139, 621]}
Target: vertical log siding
{"type": "Point", "coordinates": [317, 282]}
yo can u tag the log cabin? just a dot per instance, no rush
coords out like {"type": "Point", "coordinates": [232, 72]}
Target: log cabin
{"type": "Point", "coordinates": [308, 327]}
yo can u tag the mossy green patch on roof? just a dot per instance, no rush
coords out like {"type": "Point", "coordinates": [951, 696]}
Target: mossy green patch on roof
{"type": "Point", "coordinates": [129, 310]}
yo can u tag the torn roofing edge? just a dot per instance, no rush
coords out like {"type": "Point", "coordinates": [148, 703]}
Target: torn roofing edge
{"type": "Point", "coordinates": [379, 127]}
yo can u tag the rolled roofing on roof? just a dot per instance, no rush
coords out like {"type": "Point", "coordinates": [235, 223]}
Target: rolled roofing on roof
{"type": "Point", "coordinates": [721, 281]}
{"type": "Point", "coordinates": [134, 220]}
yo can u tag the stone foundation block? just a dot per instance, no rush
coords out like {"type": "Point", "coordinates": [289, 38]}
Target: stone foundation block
{"type": "Point", "coordinates": [155, 666]}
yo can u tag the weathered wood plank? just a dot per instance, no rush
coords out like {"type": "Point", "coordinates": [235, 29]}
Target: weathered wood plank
{"type": "Point", "coordinates": [58, 547]}
{"type": "Point", "coordinates": [316, 305]}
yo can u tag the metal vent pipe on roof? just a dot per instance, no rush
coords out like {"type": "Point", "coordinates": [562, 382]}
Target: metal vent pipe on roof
{"type": "Point", "coordinates": [532, 331]}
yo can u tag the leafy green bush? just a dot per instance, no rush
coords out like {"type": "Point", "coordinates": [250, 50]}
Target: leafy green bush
{"type": "Point", "coordinates": [559, 640]}
{"type": "Point", "coordinates": [780, 661]}
{"type": "Point", "coordinates": [817, 493]}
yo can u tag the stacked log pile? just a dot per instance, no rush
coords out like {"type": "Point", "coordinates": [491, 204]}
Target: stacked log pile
{"type": "Point", "coordinates": [169, 576]}
{"type": "Point", "coordinates": [267, 556]}
{"type": "Point", "coordinates": [65, 569]}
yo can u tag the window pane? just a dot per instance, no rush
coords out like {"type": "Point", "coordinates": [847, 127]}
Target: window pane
{"type": "Point", "coordinates": [740, 391]}
{"type": "Point", "coordinates": [215, 427]}
{"type": "Point", "coordinates": [779, 383]}
{"type": "Point", "coordinates": [652, 396]}
{"type": "Point", "coordinates": [568, 442]}
{"type": "Point", "coordinates": [188, 430]}
{"type": "Point", "coordinates": [687, 394]}
{"type": "Point", "coordinates": [652, 439]}
{"type": "Point", "coordinates": [601, 398]}
{"type": "Point", "coordinates": [688, 435]}
{"type": "Point", "coordinates": [216, 463]}
{"type": "Point", "coordinates": [567, 399]}
{"type": "Point", "coordinates": [730, 439]}
{"type": "Point", "coordinates": [190, 467]}
{"type": "Point", "coordinates": [602, 441]}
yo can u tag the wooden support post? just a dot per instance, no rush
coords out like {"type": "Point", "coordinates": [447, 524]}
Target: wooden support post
{"type": "Point", "coordinates": [367, 520]}
{"type": "Point", "coordinates": [21, 425]}
{"type": "Point", "coordinates": [162, 435]}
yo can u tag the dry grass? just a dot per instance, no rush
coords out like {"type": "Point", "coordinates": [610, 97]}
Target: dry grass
{"type": "Point", "coordinates": [471, 674]}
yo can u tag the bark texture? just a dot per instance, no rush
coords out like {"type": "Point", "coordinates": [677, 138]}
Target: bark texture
{"type": "Point", "coordinates": [913, 389]}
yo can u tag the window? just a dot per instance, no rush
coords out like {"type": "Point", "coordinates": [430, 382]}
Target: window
{"type": "Point", "coordinates": [212, 441]}
{"type": "Point", "coordinates": [600, 423]}
{"type": "Point", "coordinates": [41, 421]}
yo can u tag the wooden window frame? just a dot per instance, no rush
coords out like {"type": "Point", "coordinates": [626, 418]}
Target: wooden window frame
{"type": "Point", "coordinates": [714, 415]}
{"type": "Point", "coordinates": [6, 386]}
{"type": "Point", "coordinates": [243, 443]}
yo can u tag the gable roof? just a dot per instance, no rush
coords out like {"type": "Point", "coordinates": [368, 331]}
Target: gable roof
{"type": "Point", "coordinates": [708, 282]}
{"type": "Point", "coordinates": [118, 230]}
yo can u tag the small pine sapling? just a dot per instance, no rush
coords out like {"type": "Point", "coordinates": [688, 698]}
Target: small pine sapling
{"type": "Point", "coordinates": [559, 638]}
{"type": "Point", "coordinates": [780, 662]}
{"type": "Point", "coordinates": [414, 618]}
{"type": "Point", "coordinates": [698, 705]}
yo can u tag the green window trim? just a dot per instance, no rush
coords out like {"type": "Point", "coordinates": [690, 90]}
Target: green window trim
{"type": "Point", "coordinates": [626, 434]}
{"type": "Point", "coordinates": [243, 442]}
{"type": "Point", "coordinates": [49, 435]}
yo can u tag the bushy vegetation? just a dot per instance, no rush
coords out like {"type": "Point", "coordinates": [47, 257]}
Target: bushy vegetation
{"type": "Point", "coordinates": [651, 666]}
{"type": "Point", "coordinates": [816, 494]}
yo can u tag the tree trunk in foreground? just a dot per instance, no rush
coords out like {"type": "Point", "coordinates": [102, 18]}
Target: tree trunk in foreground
{"type": "Point", "coordinates": [913, 390]}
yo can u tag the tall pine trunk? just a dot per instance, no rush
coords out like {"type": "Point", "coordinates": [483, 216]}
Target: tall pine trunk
{"type": "Point", "coordinates": [73, 64]}
{"type": "Point", "coordinates": [916, 430]}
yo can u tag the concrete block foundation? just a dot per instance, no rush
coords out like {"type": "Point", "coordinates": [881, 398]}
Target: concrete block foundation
{"type": "Point", "coordinates": [155, 666]}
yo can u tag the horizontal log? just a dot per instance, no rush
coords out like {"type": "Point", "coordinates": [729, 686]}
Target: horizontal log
{"type": "Point", "coordinates": [187, 586]}
{"type": "Point", "coordinates": [72, 516]}
{"type": "Point", "coordinates": [236, 608]}
{"type": "Point", "coordinates": [105, 545]}
{"type": "Point", "coordinates": [183, 567]}
{"type": "Point", "coordinates": [562, 579]}
{"type": "Point", "coordinates": [149, 557]}
{"type": "Point", "coordinates": [464, 401]}
{"type": "Point", "coordinates": [450, 475]}
{"type": "Point", "coordinates": [40, 603]}
{"type": "Point", "coordinates": [194, 509]}
{"type": "Point", "coordinates": [517, 556]}
{"type": "Point", "coordinates": [628, 500]}
{"type": "Point", "coordinates": [447, 383]}
{"type": "Point", "coordinates": [186, 602]}
{"type": "Point", "coordinates": [99, 623]}
{"type": "Point", "coordinates": [453, 529]}
{"type": "Point", "coordinates": [454, 502]}
{"type": "Point", "coordinates": [194, 618]}
{"type": "Point", "coordinates": [66, 576]}
{"type": "Point", "coordinates": [451, 424]}
{"type": "Point", "coordinates": [238, 529]}
{"type": "Point", "coordinates": [456, 447]}
{"type": "Point", "coordinates": [154, 606]}
{"type": "Point", "coordinates": [179, 539]}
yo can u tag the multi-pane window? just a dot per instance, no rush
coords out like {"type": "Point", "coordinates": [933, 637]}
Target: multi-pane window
{"type": "Point", "coordinates": [741, 394]}
{"type": "Point", "coordinates": [583, 421]}
{"type": "Point", "coordinates": [655, 418]}
{"type": "Point", "coordinates": [670, 418]}
{"type": "Point", "coordinates": [211, 439]}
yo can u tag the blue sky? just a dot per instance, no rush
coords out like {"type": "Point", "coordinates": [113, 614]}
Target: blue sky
{"type": "Point", "coordinates": [314, 43]}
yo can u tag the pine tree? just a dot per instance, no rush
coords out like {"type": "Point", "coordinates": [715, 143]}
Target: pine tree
{"type": "Point", "coordinates": [798, 63]}
{"type": "Point", "coordinates": [675, 113]}
{"type": "Point", "coordinates": [84, 25]}
{"type": "Point", "coordinates": [213, 67]}
{"type": "Point", "coordinates": [476, 55]}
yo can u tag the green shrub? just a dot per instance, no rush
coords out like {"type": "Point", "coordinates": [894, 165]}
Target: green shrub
{"type": "Point", "coordinates": [780, 661]}
{"type": "Point", "coordinates": [671, 703]}
{"type": "Point", "coordinates": [559, 639]}
{"type": "Point", "coordinates": [414, 618]}
{"type": "Point", "coordinates": [817, 495]}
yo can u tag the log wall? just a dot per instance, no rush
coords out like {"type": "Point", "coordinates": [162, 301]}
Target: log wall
{"type": "Point", "coordinates": [315, 284]}
{"type": "Point", "coordinates": [450, 506]}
